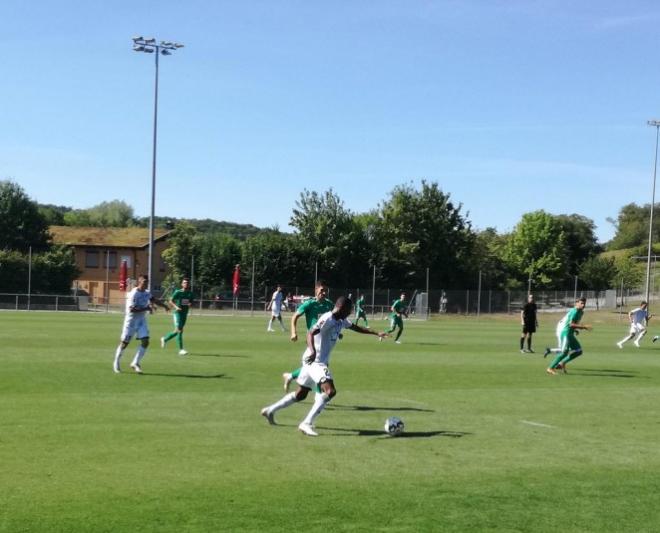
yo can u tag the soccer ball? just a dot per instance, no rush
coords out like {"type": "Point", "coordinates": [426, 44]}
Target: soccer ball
{"type": "Point", "coordinates": [394, 426]}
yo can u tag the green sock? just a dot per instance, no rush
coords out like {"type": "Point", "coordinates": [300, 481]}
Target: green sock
{"type": "Point", "coordinates": [557, 360]}
{"type": "Point", "coordinates": [170, 336]}
{"type": "Point", "coordinates": [296, 373]}
{"type": "Point", "coordinates": [179, 340]}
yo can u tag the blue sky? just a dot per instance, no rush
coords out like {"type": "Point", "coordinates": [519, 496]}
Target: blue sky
{"type": "Point", "coordinates": [510, 106]}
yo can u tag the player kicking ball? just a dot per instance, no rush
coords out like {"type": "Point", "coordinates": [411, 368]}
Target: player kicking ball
{"type": "Point", "coordinates": [321, 339]}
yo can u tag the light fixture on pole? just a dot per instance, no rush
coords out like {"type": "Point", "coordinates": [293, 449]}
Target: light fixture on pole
{"type": "Point", "coordinates": [149, 46]}
{"type": "Point", "coordinates": [656, 125]}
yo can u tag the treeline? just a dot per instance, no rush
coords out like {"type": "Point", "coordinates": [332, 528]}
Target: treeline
{"type": "Point", "coordinates": [414, 232]}
{"type": "Point", "coordinates": [24, 240]}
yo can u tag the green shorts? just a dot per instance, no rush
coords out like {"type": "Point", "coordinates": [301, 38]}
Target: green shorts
{"type": "Point", "coordinates": [180, 318]}
{"type": "Point", "coordinates": [396, 321]}
{"type": "Point", "coordinates": [569, 343]}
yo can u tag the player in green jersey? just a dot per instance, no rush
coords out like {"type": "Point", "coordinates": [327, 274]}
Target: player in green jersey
{"type": "Point", "coordinates": [359, 311]}
{"type": "Point", "coordinates": [570, 347]}
{"type": "Point", "coordinates": [312, 309]}
{"type": "Point", "coordinates": [396, 316]}
{"type": "Point", "coordinates": [180, 302]}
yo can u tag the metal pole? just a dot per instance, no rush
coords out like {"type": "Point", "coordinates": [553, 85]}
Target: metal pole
{"type": "Point", "coordinates": [252, 290]}
{"type": "Point", "coordinates": [373, 292]}
{"type": "Point", "coordinates": [529, 283]}
{"type": "Point", "coordinates": [427, 293]}
{"type": "Point", "coordinates": [192, 273]}
{"type": "Point", "coordinates": [316, 273]}
{"type": "Point", "coordinates": [29, 277]}
{"type": "Point", "coordinates": [150, 259]}
{"type": "Point", "coordinates": [107, 281]}
{"type": "Point", "coordinates": [656, 124]}
{"type": "Point", "coordinates": [575, 290]}
{"type": "Point", "coordinates": [479, 297]}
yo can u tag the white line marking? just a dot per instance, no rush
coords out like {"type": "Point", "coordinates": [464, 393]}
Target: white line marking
{"type": "Point", "coordinates": [537, 424]}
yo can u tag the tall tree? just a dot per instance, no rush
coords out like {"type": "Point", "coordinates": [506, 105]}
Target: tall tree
{"type": "Point", "coordinates": [632, 226]}
{"type": "Point", "coordinates": [420, 229]}
{"type": "Point", "coordinates": [21, 223]}
{"type": "Point", "coordinates": [217, 255]}
{"type": "Point", "coordinates": [115, 213]}
{"type": "Point", "coordinates": [581, 242]}
{"type": "Point", "coordinates": [598, 274]}
{"type": "Point", "coordinates": [178, 255]}
{"type": "Point", "coordinates": [536, 249]}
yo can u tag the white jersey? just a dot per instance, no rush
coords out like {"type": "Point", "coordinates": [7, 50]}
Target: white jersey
{"type": "Point", "coordinates": [276, 302]}
{"type": "Point", "coordinates": [638, 316]}
{"type": "Point", "coordinates": [135, 322]}
{"type": "Point", "coordinates": [329, 329]}
{"type": "Point", "coordinates": [137, 298]}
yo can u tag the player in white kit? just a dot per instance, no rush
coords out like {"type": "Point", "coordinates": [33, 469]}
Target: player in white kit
{"type": "Point", "coordinates": [639, 318]}
{"type": "Point", "coordinates": [139, 302]}
{"type": "Point", "coordinates": [276, 309]}
{"type": "Point", "coordinates": [321, 339]}
{"type": "Point", "coordinates": [558, 330]}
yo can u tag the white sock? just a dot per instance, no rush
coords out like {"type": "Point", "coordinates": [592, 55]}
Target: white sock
{"type": "Point", "coordinates": [320, 401]}
{"type": "Point", "coordinates": [283, 402]}
{"type": "Point", "coordinates": [639, 337]}
{"type": "Point", "coordinates": [270, 324]}
{"type": "Point", "coordinates": [139, 355]}
{"type": "Point", "coordinates": [118, 352]}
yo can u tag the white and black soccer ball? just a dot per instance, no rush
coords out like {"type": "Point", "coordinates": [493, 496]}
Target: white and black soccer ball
{"type": "Point", "coordinates": [394, 426]}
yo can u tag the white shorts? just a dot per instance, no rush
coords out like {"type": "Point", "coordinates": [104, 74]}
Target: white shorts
{"type": "Point", "coordinates": [136, 325]}
{"type": "Point", "coordinates": [314, 374]}
{"type": "Point", "coordinates": [637, 327]}
{"type": "Point", "coordinates": [275, 311]}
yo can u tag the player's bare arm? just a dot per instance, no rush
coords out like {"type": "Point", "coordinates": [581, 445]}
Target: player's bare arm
{"type": "Point", "coordinates": [294, 331]}
{"type": "Point", "coordinates": [310, 345]}
{"type": "Point", "coordinates": [366, 331]}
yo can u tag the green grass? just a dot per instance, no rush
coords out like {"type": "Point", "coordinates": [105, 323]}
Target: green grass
{"type": "Point", "coordinates": [491, 443]}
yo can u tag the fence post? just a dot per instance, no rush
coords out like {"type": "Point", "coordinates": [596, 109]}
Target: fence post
{"type": "Point", "coordinates": [57, 301]}
{"type": "Point", "coordinates": [467, 302]}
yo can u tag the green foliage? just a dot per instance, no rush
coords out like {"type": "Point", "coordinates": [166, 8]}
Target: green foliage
{"type": "Point", "coordinates": [489, 248]}
{"type": "Point", "coordinates": [53, 271]}
{"type": "Point", "coordinates": [217, 255]}
{"type": "Point", "coordinates": [419, 229]}
{"type": "Point", "coordinates": [115, 213]}
{"type": "Point", "coordinates": [178, 255]}
{"type": "Point", "coordinates": [580, 238]}
{"type": "Point", "coordinates": [632, 226]}
{"type": "Point", "coordinates": [278, 258]}
{"type": "Point", "coordinates": [598, 273]}
{"type": "Point", "coordinates": [334, 237]}
{"type": "Point", "coordinates": [21, 223]}
{"type": "Point", "coordinates": [537, 248]}
{"type": "Point", "coordinates": [629, 272]}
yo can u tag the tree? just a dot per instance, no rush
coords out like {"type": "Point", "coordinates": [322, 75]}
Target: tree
{"type": "Point", "coordinates": [54, 270]}
{"type": "Point", "coordinates": [21, 224]}
{"type": "Point", "coordinates": [115, 213]}
{"type": "Point", "coordinates": [333, 236]}
{"type": "Point", "coordinates": [598, 274]}
{"type": "Point", "coordinates": [420, 229]}
{"type": "Point", "coordinates": [632, 227]}
{"type": "Point", "coordinates": [629, 273]}
{"type": "Point", "coordinates": [179, 253]}
{"type": "Point", "coordinates": [217, 255]}
{"type": "Point", "coordinates": [581, 241]}
{"type": "Point", "coordinates": [536, 249]}
{"type": "Point", "coordinates": [489, 247]}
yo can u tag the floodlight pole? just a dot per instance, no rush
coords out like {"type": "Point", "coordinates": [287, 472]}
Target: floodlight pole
{"type": "Point", "coordinates": [656, 125]}
{"type": "Point", "coordinates": [149, 46]}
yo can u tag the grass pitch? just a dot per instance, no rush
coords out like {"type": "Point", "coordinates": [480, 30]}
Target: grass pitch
{"type": "Point", "coordinates": [491, 442]}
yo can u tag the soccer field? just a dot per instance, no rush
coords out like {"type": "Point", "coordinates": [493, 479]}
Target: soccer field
{"type": "Point", "coordinates": [492, 442]}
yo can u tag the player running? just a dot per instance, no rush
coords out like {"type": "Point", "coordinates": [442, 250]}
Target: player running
{"type": "Point", "coordinates": [639, 319]}
{"type": "Point", "coordinates": [180, 302]}
{"type": "Point", "coordinates": [359, 311]}
{"type": "Point", "coordinates": [396, 316]}
{"type": "Point", "coordinates": [570, 347]}
{"type": "Point", "coordinates": [321, 339]}
{"type": "Point", "coordinates": [276, 309]}
{"type": "Point", "coordinates": [558, 330]}
{"type": "Point", "coordinates": [139, 302]}
{"type": "Point", "coordinates": [312, 309]}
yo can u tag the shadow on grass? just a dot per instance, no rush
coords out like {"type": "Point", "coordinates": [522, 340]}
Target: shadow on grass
{"type": "Point", "coordinates": [606, 373]}
{"type": "Point", "coordinates": [351, 432]}
{"type": "Point", "coordinates": [192, 376]}
{"type": "Point", "coordinates": [216, 355]}
{"type": "Point", "coordinates": [609, 370]}
{"type": "Point", "coordinates": [372, 408]}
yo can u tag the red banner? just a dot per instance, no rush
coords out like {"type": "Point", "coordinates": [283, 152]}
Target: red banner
{"type": "Point", "coordinates": [236, 282]}
{"type": "Point", "coordinates": [123, 276]}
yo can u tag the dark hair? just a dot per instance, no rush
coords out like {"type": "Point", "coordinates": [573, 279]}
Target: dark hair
{"type": "Point", "coordinates": [344, 301]}
{"type": "Point", "coordinates": [320, 283]}
{"type": "Point", "coordinates": [582, 299]}
{"type": "Point", "coordinates": [144, 276]}
{"type": "Point", "coordinates": [185, 278]}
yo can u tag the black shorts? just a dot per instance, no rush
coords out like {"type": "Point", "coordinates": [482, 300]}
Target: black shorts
{"type": "Point", "coordinates": [529, 327]}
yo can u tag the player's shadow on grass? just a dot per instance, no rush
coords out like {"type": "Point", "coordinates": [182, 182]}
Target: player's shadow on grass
{"type": "Point", "coordinates": [351, 432]}
{"type": "Point", "coordinates": [605, 373]}
{"type": "Point", "coordinates": [190, 376]}
{"type": "Point", "coordinates": [372, 408]}
{"type": "Point", "coordinates": [216, 355]}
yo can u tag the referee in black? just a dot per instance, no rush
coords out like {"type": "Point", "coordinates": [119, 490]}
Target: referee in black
{"type": "Point", "coordinates": [529, 324]}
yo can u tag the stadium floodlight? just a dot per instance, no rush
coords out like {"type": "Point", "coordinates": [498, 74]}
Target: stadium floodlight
{"type": "Point", "coordinates": [149, 46]}
{"type": "Point", "coordinates": [656, 125]}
